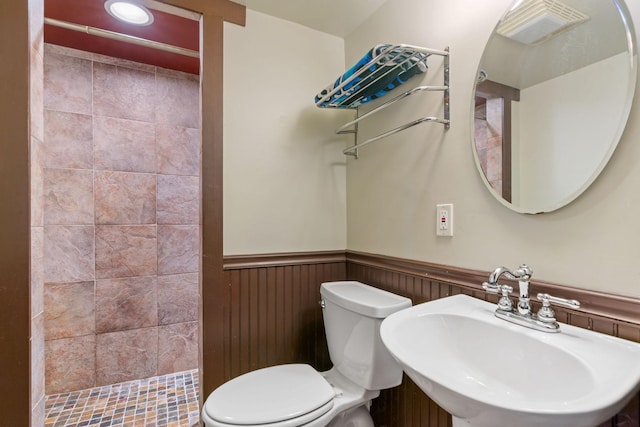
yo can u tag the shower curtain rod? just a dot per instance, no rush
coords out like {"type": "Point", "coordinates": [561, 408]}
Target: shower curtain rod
{"type": "Point", "coordinates": [122, 37]}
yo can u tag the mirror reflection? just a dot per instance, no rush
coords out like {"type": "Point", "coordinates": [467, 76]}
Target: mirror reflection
{"type": "Point", "coordinates": [554, 91]}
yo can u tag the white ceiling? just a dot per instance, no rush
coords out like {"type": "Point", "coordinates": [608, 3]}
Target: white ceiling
{"type": "Point", "coordinates": [337, 17]}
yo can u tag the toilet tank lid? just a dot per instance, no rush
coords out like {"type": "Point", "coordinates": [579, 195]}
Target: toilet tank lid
{"type": "Point", "coordinates": [363, 299]}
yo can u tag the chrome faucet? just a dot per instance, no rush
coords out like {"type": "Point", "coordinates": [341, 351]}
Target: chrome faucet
{"type": "Point", "coordinates": [522, 275]}
{"type": "Point", "coordinates": [544, 320]}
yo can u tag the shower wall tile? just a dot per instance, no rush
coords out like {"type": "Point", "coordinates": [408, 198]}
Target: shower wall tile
{"type": "Point", "coordinates": [125, 198]}
{"type": "Point", "coordinates": [69, 141]}
{"type": "Point", "coordinates": [494, 164]}
{"type": "Point", "coordinates": [104, 59]}
{"type": "Point", "coordinates": [70, 364]}
{"type": "Point", "coordinates": [125, 251]}
{"type": "Point", "coordinates": [124, 145]}
{"type": "Point", "coordinates": [68, 197]}
{"type": "Point", "coordinates": [119, 189]}
{"type": "Point", "coordinates": [68, 253]}
{"type": "Point", "coordinates": [178, 298]}
{"type": "Point", "coordinates": [123, 304]}
{"type": "Point", "coordinates": [67, 83]}
{"type": "Point", "coordinates": [36, 183]}
{"type": "Point", "coordinates": [179, 75]}
{"type": "Point", "coordinates": [38, 413]}
{"type": "Point", "coordinates": [37, 270]}
{"type": "Point", "coordinates": [178, 199]}
{"type": "Point", "coordinates": [68, 310]}
{"type": "Point", "coordinates": [37, 358]}
{"type": "Point", "coordinates": [177, 347]}
{"type": "Point", "coordinates": [126, 355]}
{"type": "Point", "coordinates": [123, 92]}
{"type": "Point", "coordinates": [178, 249]}
{"type": "Point", "coordinates": [36, 93]}
{"type": "Point", "coordinates": [179, 150]}
{"type": "Point", "coordinates": [66, 51]}
{"type": "Point", "coordinates": [177, 101]}
{"type": "Point", "coordinates": [36, 127]}
{"type": "Point", "coordinates": [36, 26]}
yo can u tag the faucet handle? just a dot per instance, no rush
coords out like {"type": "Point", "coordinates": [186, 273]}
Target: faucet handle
{"type": "Point", "coordinates": [495, 288]}
{"type": "Point", "coordinates": [492, 288]}
{"type": "Point", "coordinates": [546, 313]}
{"type": "Point", "coordinates": [504, 303]}
{"type": "Point", "coordinates": [570, 303]}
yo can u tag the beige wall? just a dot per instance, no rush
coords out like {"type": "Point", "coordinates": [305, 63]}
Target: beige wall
{"type": "Point", "coordinates": [556, 161]}
{"type": "Point", "coordinates": [284, 172]}
{"type": "Point", "coordinates": [394, 187]}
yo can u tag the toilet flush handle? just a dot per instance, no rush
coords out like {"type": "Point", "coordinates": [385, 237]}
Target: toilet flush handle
{"type": "Point", "coordinates": [322, 304]}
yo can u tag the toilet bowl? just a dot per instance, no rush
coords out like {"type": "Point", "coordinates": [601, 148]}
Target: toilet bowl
{"type": "Point", "coordinates": [298, 395]}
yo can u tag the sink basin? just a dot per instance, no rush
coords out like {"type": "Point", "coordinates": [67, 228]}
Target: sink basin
{"type": "Point", "coordinates": [488, 372]}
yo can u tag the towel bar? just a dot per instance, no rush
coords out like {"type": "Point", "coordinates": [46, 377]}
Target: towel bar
{"type": "Point", "coordinates": [351, 91]}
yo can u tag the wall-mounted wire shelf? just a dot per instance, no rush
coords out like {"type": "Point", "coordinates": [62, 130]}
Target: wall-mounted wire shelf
{"type": "Point", "coordinates": [364, 85]}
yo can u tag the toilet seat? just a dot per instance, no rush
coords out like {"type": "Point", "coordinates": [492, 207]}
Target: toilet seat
{"type": "Point", "coordinates": [280, 396]}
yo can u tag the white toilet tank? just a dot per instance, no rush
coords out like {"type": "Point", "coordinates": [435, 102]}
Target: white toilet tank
{"type": "Point", "coordinates": [352, 313]}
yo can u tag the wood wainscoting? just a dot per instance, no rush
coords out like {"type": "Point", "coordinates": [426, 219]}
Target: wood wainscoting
{"type": "Point", "coordinates": [272, 316]}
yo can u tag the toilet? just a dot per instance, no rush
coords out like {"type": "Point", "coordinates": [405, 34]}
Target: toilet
{"type": "Point", "coordinates": [296, 394]}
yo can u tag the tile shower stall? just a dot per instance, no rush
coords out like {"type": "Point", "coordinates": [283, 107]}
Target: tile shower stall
{"type": "Point", "coordinates": [121, 166]}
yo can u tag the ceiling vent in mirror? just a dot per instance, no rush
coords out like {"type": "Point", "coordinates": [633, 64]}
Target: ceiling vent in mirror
{"type": "Point", "coordinates": [533, 21]}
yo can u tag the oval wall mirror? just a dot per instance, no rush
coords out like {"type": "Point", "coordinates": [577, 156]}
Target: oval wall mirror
{"type": "Point", "coordinates": [553, 94]}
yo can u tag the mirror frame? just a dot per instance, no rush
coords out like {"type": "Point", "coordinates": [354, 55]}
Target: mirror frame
{"type": "Point", "coordinates": [632, 51]}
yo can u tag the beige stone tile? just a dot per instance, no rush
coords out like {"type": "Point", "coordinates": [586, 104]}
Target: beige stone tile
{"type": "Point", "coordinates": [70, 364]}
{"type": "Point", "coordinates": [178, 74]}
{"type": "Point", "coordinates": [125, 198]}
{"type": "Point", "coordinates": [69, 254]}
{"type": "Point", "coordinates": [125, 251]}
{"type": "Point", "coordinates": [36, 25]}
{"type": "Point", "coordinates": [37, 270]}
{"type": "Point", "coordinates": [38, 413]}
{"type": "Point", "coordinates": [178, 298]}
{"type": "Point", "coordinates": [177, 347]}
{"type": "Point", "coordinates": [127, 303]}
{"type": "Point", "coordinates": [124, 145]}
{"type": "Point", "coordinates": [494, 163]}
{"type": "Point", "coordinates": [178, 101]}
{"type": "Point", "coordinates": [67, 83]}
{"type": "Point", "coordinates": [67, 51]}
{"type": "Point", "coordinates": [126, 355]}
{"type": "Point", "coordinates": [68, 197]}
{"type": "Point", "coordinates": [179, 150]}
{"type": "Point", "coordinates": [37, 359]}
{"type": "Point", "coordinates": [69, 309]}
{"type": "Point", "coordinates": [178, 249]}
{"type": "Point", "coordinates": [123, 92]}
{"type": "Point", "coordinates": [36, 183]}
{"type": "Point", "coordinates": [36, 89]}
{"type": "Point", "coordinates": [68, 140]}
{"type": "Point", "coordinates": [178, 199]}
{"type": "Point", "coordinates": [110, 60]}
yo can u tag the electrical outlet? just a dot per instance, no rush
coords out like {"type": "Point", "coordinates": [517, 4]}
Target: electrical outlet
{"type": "Point", "coordinates": [444, 220]}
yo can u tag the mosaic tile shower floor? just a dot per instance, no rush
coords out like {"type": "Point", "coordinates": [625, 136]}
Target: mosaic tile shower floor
{"type": "Point", "coordinates": [165, 401]}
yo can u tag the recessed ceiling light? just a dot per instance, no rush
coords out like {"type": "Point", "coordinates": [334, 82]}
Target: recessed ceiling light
{"type": "Point", "coordinates": [129, 12]}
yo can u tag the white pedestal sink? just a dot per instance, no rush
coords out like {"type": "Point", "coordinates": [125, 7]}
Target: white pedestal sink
{"type": "Point", "coordinates": [487, 372]}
